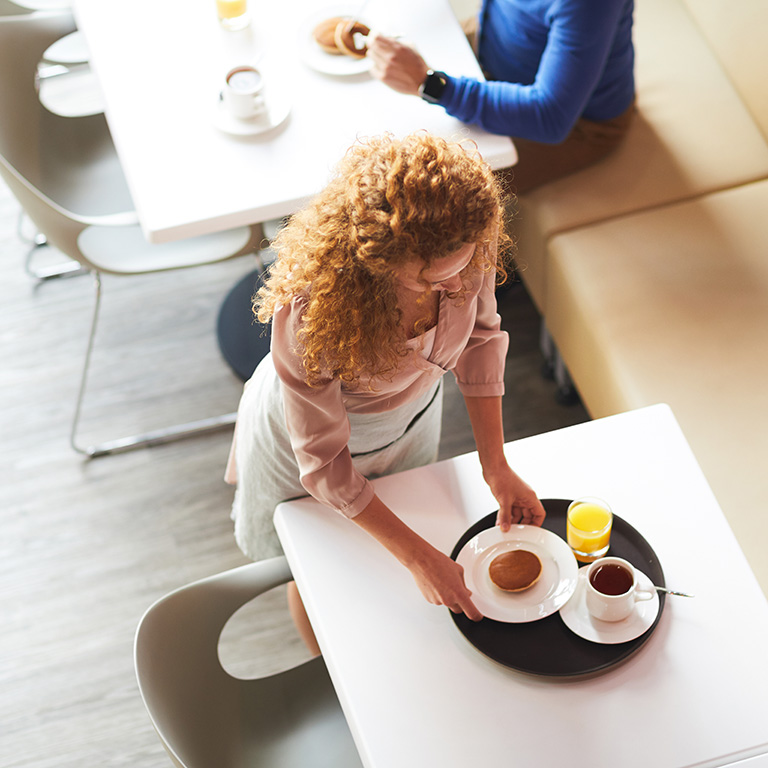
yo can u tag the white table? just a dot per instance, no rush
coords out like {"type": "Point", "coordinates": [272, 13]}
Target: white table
{"type": "Point", "coordinates": [161, 65]}
{"type": "Point", "coordinates": [416, 693]}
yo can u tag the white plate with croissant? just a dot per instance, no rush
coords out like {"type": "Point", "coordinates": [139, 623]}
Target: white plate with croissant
{"type": "Point", "coordinates": [333, 41]}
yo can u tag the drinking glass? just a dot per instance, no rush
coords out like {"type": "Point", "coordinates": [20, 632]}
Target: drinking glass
{"type": "Point", "coordinates": [233, 14]}
{"type": "Point", "coordinates": [588, 528]}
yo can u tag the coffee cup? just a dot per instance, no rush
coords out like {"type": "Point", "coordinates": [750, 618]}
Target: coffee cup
{"type": "Point", "coordinates": [612, 589]}
{"type": "Point", "coordinates": [243, 92]}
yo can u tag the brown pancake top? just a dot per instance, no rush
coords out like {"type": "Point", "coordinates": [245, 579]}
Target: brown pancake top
{"type": "Point", "coordinates": [515, 571]}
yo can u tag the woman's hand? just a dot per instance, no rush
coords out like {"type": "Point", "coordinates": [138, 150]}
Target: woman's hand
{"type": "Point", "coordinates": [441, 581]}
{"type": "Point", "coordinates": [517, 501]}
{"type": "Point", "coordinates": [397, 65]}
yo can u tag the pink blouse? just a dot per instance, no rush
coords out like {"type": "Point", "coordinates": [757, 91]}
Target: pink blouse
{"type": "Point", "coordinates": [468, 341]}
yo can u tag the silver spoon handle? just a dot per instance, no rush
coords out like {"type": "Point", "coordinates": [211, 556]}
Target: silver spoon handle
{"type": "Point", "coordinates": [670, 592]}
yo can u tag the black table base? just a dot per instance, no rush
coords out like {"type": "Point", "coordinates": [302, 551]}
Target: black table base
{"type": "Point", "coordinates": [243, 341]}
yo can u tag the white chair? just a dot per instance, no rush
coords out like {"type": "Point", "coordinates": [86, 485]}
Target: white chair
{"type": "Point", "coordinates": [207, 718]}
{"type": "Point", "coordinates": [67, 85]}
{"type": "Point", "coordinates": [49, 70]}
{"type": "Point", "coordinates": [65, 174]}
{"type": "Point", "coordinates": [66, 56]}
{"type": "Point", "coordinates": [8, 8]}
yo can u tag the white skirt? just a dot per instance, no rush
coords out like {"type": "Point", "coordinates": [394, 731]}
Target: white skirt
{"type": "Point", "coordinates": [267, 471]}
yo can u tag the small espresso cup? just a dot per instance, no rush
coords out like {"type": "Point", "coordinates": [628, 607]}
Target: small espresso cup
{"type": "Point", "coordinates": [612, 589]}
{"type": "Point", "coordinates": [243, 92]}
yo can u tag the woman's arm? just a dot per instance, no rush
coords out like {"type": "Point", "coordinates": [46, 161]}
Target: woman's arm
{"type": "Point", "coordinates": [319, 431]}
{"type": "Point", "coordinates": [440, 579]}
{"type": "Point", "coordinates": [518, 502]}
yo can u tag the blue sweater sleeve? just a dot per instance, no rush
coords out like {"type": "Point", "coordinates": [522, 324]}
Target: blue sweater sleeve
{"type": "Point", "coordinates": [578, 44]}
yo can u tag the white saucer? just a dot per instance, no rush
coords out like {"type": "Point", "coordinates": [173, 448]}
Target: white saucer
{"type": "Point", "coordinates": [328, 63]}
{"type": "Point", "coordinates": [578, 619]}
{"type": "Point", "coordinates": [559, 573]}
{"type": "Point", "coordinates": [278, 109]}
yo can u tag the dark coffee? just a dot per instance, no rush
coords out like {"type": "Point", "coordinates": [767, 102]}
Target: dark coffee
{"type": "Point", "coordinates": [611, 579]}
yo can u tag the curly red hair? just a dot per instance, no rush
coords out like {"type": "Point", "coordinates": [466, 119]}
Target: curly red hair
{"type": "Point", "coordinates": [391, 201]}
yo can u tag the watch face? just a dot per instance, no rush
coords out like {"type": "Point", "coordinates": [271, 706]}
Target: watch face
{"type": "Point", "coordinates": [434, 86]}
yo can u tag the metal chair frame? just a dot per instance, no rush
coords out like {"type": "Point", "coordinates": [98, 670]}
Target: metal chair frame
{"type": "Point", "coordinates": [57, 168]}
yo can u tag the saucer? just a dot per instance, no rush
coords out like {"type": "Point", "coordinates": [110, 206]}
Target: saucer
{"type": "Point", "coordinates": [559, 573]}
{"type": "Point", "coordinates": [578, 619]}
{"type": "Point", "coordinates": [278, 109]}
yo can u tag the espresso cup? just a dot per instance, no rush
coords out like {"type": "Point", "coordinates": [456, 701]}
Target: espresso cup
{"type": "Point", "coordinates": [243, 92]}
{"type": "Point", "coordinates": [612, 589]}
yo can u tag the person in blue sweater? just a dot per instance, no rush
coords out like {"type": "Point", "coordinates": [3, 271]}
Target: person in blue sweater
{"type": "Point", "coordinates": [559, 81]}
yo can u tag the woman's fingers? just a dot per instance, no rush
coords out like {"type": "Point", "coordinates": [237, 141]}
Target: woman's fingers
{"type": "Point", "coordinates": [442, 583]}
{"type": "Point", "coordinates": [531, 513]}
{"type": "Point", "coordinates": [504, 518]}
{"type": "Point", "coordinates": [468, 608]}
{"type": "Point", "coordinates": [538, 513]}
{"type": "Point", "coordinates": [471, 611]}
{"type": "Point", "coordinates": [463, 603]}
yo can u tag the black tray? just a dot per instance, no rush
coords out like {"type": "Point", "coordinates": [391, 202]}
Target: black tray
{"type": "Point", "coordinates": [548, 647]}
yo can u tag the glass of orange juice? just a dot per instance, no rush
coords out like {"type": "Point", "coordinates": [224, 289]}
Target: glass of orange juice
{"type": "Point", "coordinates": [588, 528]}
{"type": "Point", "coordinates": [233, 14]}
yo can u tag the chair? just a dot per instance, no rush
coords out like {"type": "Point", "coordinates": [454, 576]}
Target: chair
{"type": "Point", "coordinates": [49, 69]}
{"type": "Point", "coordinates": [206, 718]}
{"type": "Point", "coordinates": [8, 8]}
{"type": "Point", "coordinates": [65, 174]}
{"type": "Point", "coordinates": [67, 85]}
{"type": "Point", "coordinates": [65, 56]}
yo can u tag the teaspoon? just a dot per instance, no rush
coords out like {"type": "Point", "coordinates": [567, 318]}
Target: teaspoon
{"type": "Point", "coordinates": [671, 592]}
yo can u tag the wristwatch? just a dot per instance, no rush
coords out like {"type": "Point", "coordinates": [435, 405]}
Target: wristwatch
{"type": "Point", "coordinates": [431, 90]}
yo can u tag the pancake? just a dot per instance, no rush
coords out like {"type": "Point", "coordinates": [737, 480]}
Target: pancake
{"type": "Point", "coordinates": [344, 37]}
{"type": "Point", "coordinates": [324, 34]}
{"type": "Point", "coordinates": [515, 571]}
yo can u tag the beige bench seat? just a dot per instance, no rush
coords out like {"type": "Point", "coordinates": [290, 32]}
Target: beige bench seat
{"type": "Point", "coordinates": [671, 305]}
{"type": "Point", "coordinates": [693, 134]}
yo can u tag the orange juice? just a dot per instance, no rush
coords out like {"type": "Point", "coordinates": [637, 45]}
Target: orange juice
{"type": "Point", "coordinates": [231, 9]}
{"type": "Point", "coordinates": [589, 528]}
{"type": "Point", "coordinates": [233, 14]}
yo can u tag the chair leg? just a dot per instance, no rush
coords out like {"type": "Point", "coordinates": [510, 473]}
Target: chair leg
{"type": "Point", "coordinates": [37, 239]}
{"type": "Point", "coordinates": [69, 268]}
{"type": "Point", "coordinates": [146, 439]}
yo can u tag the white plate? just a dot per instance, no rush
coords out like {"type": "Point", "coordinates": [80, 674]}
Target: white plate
{"type": "Point", "coordinates": [278, 109]}
{"type": "Point", "coordinates": [579, 620]}
{"type": "Point", "coordinates": [327, 63]}
{"type": "Point", "coordinates": [559, 573]}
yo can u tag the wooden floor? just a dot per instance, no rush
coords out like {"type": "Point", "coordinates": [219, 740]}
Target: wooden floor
{"type": "Point", "coordinates": [86, 546]}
